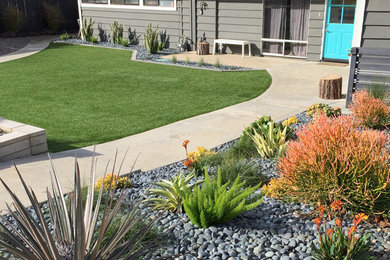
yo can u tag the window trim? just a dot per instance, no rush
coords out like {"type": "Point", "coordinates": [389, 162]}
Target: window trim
{"type": "Point", "coordinates": [140, 6]}
{"type": "Point", "coordinates": [283, 42]}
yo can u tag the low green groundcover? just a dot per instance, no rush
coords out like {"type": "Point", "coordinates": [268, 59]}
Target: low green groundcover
{"type": "Point", "coordinates": [85, 95]}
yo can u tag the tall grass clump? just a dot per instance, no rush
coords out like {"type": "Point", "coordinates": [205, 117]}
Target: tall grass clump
{"type": "Point", "coordinates": [333, 160]}
{"type": "Point", "coordinates": [378, 90]}
{"type": "Point", "coordinates": [11, 19]}
{"type": "Point", "coordinates": [370, 111]}
{"type": "Point", "coordinates": [52, 15]}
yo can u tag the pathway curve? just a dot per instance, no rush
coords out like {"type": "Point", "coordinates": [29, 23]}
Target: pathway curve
{"type": "Point", "coordinates": [35, 45]}
{"type": "Point", "coordinates": [294, 87]}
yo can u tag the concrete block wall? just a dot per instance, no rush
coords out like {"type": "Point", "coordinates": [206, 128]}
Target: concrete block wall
{"type": "Point", "coordinates": [21, 140]}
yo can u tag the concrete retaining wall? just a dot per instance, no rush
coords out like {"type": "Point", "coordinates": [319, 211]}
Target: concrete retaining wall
{"type": "Point", "coordinates": [21, 140]}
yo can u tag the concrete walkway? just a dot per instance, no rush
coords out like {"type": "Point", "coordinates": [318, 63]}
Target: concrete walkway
{"type": "Point", "coordinates": [36, 44]}
{"type": "Point", "coordinates": [294, 87]}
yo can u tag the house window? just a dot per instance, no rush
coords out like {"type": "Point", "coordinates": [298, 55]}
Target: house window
{"type": "Point", "coordinates": [163, 3]}
{"type": "Point", "coordinates": [137, 4]}
{"type": "Point", "coordinates": [95, 1]}
{"type": "Point", "coordinates": [125, 2]}
{"type": "Point", "coordinates": [286, 26]}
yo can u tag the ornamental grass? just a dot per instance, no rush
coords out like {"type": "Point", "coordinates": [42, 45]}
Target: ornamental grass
{"type": "Point", "coordinates": [334, 160]}
{"type": "Point", "coordinates": [370, 111]}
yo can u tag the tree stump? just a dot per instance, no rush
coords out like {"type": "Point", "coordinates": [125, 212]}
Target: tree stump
{"type": "Point", "coordinates": [203, 48]}
{"type": "Point", "coordinates": [330, 87]}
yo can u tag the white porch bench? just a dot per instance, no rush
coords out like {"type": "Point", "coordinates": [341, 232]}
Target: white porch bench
{"type": "Point", "coordinates": [221, 42]}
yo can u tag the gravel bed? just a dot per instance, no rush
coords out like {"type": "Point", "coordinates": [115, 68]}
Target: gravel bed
{"type": "Point", "coordinates": [144, 55]}
{"type": "Point", "coordinates": [273, 230]}
{"type": "Point", "coordinates": [8, 45]}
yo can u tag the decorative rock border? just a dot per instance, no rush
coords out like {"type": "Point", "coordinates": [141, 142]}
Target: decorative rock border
{"type": "Point", "coordinates": [141, 54]}
{"type": "Point", "coordinates": [21, 140]}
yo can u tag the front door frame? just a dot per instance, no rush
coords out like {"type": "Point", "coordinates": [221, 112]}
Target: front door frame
{"type": "Point", "coordinates": [326, 18]}
{"type": "Point", "coordinates": [358, 24]}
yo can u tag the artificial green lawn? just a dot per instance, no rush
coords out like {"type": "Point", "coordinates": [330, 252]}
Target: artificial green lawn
{"type": "Point", "coordinates": [86, 95]}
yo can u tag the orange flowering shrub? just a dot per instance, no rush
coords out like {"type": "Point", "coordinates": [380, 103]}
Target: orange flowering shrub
{"type": "Point", "coordinates": [333, 160]}
{"type": "Point", "coordinates": [370, 111]}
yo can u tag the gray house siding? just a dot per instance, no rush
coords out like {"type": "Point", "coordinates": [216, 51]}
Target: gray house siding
{"type": "Point", "coordinates": [222, 19]}
{"type": "Point", "coordinates": [206, 22]}
{"type": "Point", "coordinates": [173, 23]}
{"type": "Point", "coordinates": [376, 27]}
{"type": "Point", "coordinates": [241, 21]}
{"type": "Point", "coordinates": [316, 29]}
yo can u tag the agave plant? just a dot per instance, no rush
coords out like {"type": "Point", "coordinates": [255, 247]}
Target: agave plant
{"type": "Point", "coordinates": [78, 231]}
{"type": "Point", "coordinates": [171, 193]}
{"type": "Point", "coordinates": [269, 144]}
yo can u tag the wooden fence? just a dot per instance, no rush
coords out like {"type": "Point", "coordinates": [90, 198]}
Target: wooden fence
{"type": "Point", "coordinates": [33, 20]}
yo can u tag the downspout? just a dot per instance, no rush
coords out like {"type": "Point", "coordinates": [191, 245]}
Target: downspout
{"type": "Point", "coordinates": [193, 23]}
{"type": "Point", "coordinates": [80, 19]}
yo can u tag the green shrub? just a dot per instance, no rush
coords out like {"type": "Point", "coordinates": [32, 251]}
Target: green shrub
{"type": "Point", "coordinates": [324, 108]}
{"type": "Point", "coordinates": [171, 193]}
{"type": "Point", "coordinates": [151, 39]}
{"type": "Point", "coordinates": [93, 39]}
{"type": "Point", "coordinates": [217, 63]}
{"type": "Point", "coordinates": [151, 235]}
{"type": "Point", "coordinates": [117, 32]}
{"type": "Point", "coordinates": [11, 19]}
{"type": "Point", "coordinates": [231, 167]}
{"type": "Point", "coordinates": [269, 144]}
{"type": "Point", "coordinates": [174, 59]}
{"type": "Point", "coordinates": [187, 60]}
{"type": "Point", "coordinates": [78, 229]}
{"type": "Point", "coordinates": [216, 203]}
{"type": "Point", "coordinates": [87, 30]}
{"type": "Point", "coordinates": [64, 36]}
{"type": "Point", "coordinates": [201, 62]}
{"type": "Point", "coordinates": [378, 90]}
{"type": "Point", "coordinates": [52, 15]}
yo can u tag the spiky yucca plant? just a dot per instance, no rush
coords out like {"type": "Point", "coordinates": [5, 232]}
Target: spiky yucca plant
{"type": "Point", "coordinates": [215, 203]}
{"type": "Point", "coordinates": [171, 193]}
{"type": "Point", "coordinates": [76, 234]}
{"type": "Point", "coordinates": [87, 29]}
{"type": "Point", "coordinates": [268, 143]}
{"type": "Point", "coordinates": [117, 32]}
{"type": "Point", "coordinates": [151, 39]}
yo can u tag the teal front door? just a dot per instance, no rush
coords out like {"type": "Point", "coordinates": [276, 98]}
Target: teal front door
{"type": "Point", "coordinates": [339, 29]}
